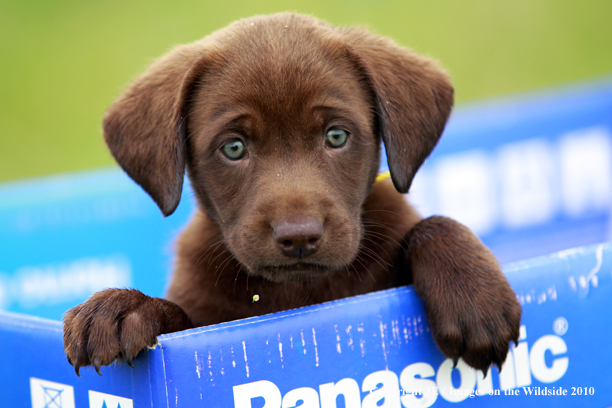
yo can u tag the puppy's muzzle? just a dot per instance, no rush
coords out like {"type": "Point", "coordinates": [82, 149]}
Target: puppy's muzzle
{"type": "Point", "coordinates": [298, 237]}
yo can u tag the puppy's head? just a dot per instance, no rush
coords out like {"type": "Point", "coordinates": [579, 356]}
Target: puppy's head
{"type": "Point", "coordinates": [278, 121]}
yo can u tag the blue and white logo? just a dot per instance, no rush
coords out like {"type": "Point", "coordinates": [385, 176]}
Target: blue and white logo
{"type": "Point", "coordinates": [101, 400]}
{"type": "Point", "coordinates": [48, 394]}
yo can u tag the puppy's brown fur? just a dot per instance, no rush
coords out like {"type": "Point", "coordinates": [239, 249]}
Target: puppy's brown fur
{"type": "Point", "coordinates": [295, 220]}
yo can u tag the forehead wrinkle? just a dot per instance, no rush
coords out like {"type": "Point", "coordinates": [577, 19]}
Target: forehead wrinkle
{"type": "Point", "coordinates": [278, 66]}
{"type": "Point", "coordinates": [332, 110]}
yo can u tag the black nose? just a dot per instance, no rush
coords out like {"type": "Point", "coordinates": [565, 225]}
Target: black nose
{"type": "Point", "coordinates": [299, 236]}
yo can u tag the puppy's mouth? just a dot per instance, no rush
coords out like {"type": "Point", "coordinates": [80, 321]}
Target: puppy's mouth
{"type": "Point", "coordinates": [295, 271]}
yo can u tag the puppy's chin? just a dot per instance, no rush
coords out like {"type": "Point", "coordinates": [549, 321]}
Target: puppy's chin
{"type": "Point", "coordinates": [298, 271]}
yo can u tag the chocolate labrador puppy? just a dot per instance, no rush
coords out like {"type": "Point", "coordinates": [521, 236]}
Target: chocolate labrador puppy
{"type": "Point", "coordinates": [278, 121]}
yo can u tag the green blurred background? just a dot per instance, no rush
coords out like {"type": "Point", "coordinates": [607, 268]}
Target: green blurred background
{"type": "Point", "coordinates": [62, 62]}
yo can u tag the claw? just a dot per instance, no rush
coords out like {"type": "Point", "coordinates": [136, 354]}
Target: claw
{"type": "Point", "coordinates": [455, 362]}
{"type": "Point", "coordinates": [97, 365]}
{"type": "Point", "coordinates": [498, 363]}
{"type": "Point", "coordinates": [128, 358]}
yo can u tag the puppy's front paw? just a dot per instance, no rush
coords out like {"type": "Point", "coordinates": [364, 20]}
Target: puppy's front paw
{"type": "Point", "coordinates": [477, 325]}
{"type": "Point", "coordinates": [472, 310]}
{"type": "Point", "coordinates": [117, 324]}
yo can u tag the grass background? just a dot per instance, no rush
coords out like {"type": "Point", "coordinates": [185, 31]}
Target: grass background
{"type": "Point", "coordinates": [62, 62]}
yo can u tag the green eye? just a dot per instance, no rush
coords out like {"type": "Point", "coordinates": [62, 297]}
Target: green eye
{"type": "Point", "coordinates": [234, 150]}
{"type": "Point", "coordinates": [336, 138]}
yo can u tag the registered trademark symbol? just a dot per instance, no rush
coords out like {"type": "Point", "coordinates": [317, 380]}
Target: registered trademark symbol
{"type": "Point", "coordinates": [560, 326]}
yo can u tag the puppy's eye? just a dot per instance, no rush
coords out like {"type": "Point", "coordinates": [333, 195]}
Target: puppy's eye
{"type": "Point", "coordinates": [234, 150]}
{"type": "Point", "coordinates": [336, 138]}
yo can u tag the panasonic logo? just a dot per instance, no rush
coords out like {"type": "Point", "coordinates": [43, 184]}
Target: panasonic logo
{"type": "Point", "coordinates": [420, 384]}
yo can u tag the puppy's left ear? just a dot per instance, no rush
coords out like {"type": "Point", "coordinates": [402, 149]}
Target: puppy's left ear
{"type": "Point", "coordinates": [413, 97]}
{"type": "Point", "coordinates": [145, 127]}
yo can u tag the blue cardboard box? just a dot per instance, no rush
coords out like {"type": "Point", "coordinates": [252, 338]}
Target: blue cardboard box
{"type": "Point", "coordinates": [531, 175]}
{"type": "Point", "coordinates": [368, 351]}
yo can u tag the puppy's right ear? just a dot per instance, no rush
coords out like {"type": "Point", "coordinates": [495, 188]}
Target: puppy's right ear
{"type": "Point", "coordinates": [145, 127]}
{"type": "Point", "coordinates": [413, 98]}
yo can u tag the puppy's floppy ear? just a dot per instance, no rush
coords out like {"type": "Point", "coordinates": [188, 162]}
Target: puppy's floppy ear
{"type": "Point", "coordinates": [413, 97]}
{"type": "Point", "coordinates": [145, 127]}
